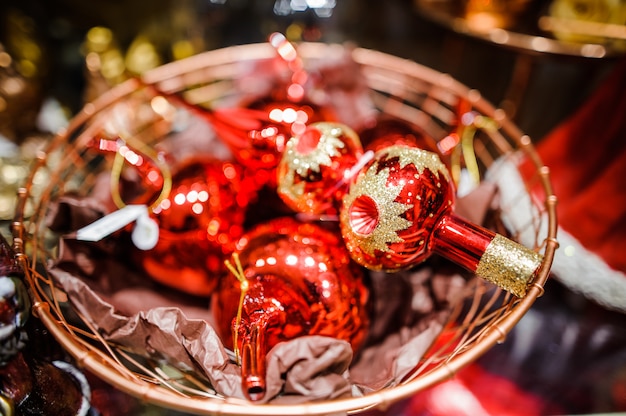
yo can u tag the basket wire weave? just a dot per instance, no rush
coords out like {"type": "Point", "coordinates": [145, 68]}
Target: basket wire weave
{"type": "Point", "coordinates": [398, 87]}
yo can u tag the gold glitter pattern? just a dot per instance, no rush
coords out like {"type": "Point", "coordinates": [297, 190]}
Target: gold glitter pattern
{"type": "Point", "coordinates": [374, 184]}
{"type": "Point", "coordinates": [508, 265]}
{"type": "Point", "coordinates": [328, 146]}
{"type": "Point", "coordinates": [421, 159]}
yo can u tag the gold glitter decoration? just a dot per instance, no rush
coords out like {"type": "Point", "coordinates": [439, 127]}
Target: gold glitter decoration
{"type": "Point", "coordinates": [509, 265]}
{"type": "Point", "coordinates": [422, 159]}
{"type": "Point", "coordinates": [374, 185]}
{"type": "Point", "coordinates": [328, 146]}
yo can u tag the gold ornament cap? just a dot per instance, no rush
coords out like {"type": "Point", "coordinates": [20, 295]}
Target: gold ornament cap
{"type": "Point", "coordinates": [509, 265]}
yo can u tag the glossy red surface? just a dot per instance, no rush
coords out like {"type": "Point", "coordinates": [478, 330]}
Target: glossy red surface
{"type": "Point", "coordinates": [282, 119]}
{"type": "Point", "coordinates": [461, 241]}
{"type": "Point", "coordinates": [405, 217]}
{"type": "Point", "coordinates": [300, 281]}
{"type": "Point", "coordinates": [387, 131]}
{"type": "Point", "coordinates": [198, 224]}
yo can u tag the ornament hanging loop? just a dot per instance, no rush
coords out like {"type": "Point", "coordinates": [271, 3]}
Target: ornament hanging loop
{"type": "Point", "coordinates": [237, 271]}
{"type": "Point", "coordinates": [124, 153]}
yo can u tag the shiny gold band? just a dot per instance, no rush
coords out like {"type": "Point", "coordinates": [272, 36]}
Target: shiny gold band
{"type": "Point", "coordinates": [508, 265]}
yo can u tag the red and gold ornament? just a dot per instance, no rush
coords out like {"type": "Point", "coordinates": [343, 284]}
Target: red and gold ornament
{"type": "Point", "coordinates": [399, 210]}
{"type": "Point", "coordinates": [292, 279]}
{"type": "Point", "coordinates": [266, 145]}
{"type": "Point", "coordinates": [313, 172]}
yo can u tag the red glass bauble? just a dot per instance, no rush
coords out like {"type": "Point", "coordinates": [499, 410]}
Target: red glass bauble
{"type": "Point", "coordinates": [256, 136]}
{"type": "Point", "coordinates": [297, 279]}
{"type": "Point", "coordinates": [313, 172]}
{"type": "Point", "coordinates": [198, 224]}
{"type": "Point", "coordinates": [387, 131]}
{"type": "Point", "coordinates": [399, 211]}
{"type": "Point", "coordinates": [393, 206]}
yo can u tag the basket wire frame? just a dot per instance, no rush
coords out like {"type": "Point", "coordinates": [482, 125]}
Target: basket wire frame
{"type": "Point", "coordinates": [398, 87]}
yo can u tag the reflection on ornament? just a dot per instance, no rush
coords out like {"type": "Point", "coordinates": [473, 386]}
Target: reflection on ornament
{"type": "Point", "coordinates": [399, 211]}
{"type": "Point", "coordinates": [314, 169]}
{"type": "Point", "coordinates": [198, 223]}
{"type": "Point", "coordinates": [293, 279]}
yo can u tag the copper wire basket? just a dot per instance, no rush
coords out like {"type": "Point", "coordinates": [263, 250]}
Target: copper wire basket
{"type": "Point", "coordinates": [398, 87]}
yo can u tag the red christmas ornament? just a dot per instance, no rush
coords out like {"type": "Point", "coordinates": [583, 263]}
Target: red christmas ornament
{"type": "Point", "coordinates": [314, 171]}
{"type": "Point", "coordinates": [294, 279]}
{"type": "Point", "coordinates": [388, 131]}
{"type": "Point", "coordinates": [198, 223]}
{"type": "Point", "coordinates": [399, 211]}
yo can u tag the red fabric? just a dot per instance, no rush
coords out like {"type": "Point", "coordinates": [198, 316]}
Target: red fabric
{"type": "Point", "coordinates": [476, 392]}
{"type": "Point", "coordinates": [586, 155]}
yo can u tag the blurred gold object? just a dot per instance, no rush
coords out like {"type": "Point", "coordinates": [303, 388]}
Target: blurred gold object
{"type": "Point", "coordinates": [155, 41]}
{"type": "Point", "coordinates": [22, 71]}
{"type": "Point", "coordinates": [490, 14]}
{"type": "Point", "coordinates": [583, 28]}
{"type": "Point", "coordinates": [14, 168]}
{"type": "Point", "coordinates": [104, 62]}
{"type": "Point", "coordinates": [108, 65]}
{"type": "Point", "coordinates": [587, 21]}
{"type": "Point", "coordinates": [21, 40]}
{"type": "Point", "coordinates": [451, 15]}
{"type": "Point", "coordinates": [142, 56]}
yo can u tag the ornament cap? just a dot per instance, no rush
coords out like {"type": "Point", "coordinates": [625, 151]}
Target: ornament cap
{"type": "Point", "coordinates": [509, 265]}
{"type": "Point", "coordinates": [363, 215]}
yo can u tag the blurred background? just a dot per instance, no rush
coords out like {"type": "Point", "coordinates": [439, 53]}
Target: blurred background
{"type": "Point", "coordinates": [568, 355]}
